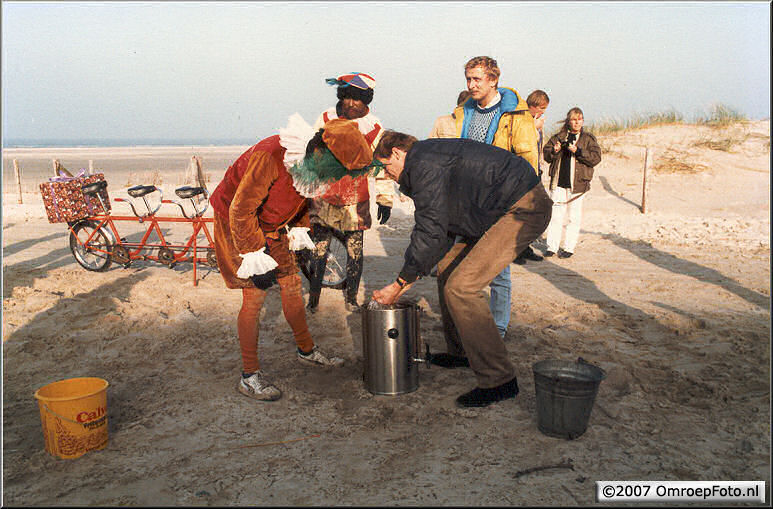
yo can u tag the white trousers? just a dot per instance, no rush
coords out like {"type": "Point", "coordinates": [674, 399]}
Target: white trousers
{"type": "Point", "coordinates": [572, 213]}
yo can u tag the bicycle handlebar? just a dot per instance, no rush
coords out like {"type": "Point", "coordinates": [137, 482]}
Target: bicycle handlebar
{"type": "Point", "coordinates": [134, 211]}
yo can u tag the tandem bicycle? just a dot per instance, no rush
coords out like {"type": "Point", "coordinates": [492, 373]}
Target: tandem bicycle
{"type": "Point", "coordinates": [96, 243]}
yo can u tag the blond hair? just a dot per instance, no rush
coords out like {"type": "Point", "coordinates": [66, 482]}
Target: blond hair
{"type": "Point", "coordinates": [488, 64]}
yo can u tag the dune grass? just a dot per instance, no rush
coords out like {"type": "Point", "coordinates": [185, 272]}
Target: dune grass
{"type": "Point", "coordinates": [718, 115]}
{"type": "Point", "coordinates": [725, 135]}
{"type": "Point", "coordinates": [721, 115]}
{"type": "Point", "coordinates": [635, 121]}
{"type": "Point", "coordinates": [675, 163]}
{"type": "Point", "coordinates": [725, 142]}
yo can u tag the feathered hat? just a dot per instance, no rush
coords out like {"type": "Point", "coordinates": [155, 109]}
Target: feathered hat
{"type": "Point", "coordinates": [357, 85]}
{"type": "Point", "coordinates": [347, 153]}
{"type": "Point", "coordinates": [356, 79]}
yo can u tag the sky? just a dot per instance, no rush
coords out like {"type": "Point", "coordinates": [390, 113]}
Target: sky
{"type": "Point", "coordinates": [234, 72]}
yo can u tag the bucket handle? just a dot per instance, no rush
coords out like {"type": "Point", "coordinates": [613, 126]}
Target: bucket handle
{"type": "Point", "coordinates": [419, 340]}
{"type": "Point", "coordinates": [580, 360]}
{"type": "Point", "coordinates": [84, 424]}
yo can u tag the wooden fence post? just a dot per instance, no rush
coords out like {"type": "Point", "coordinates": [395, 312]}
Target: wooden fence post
{"type": "Point", "coordinates": [644, 182]}
{"type": "Point", "coordinates": [195, 175]}
{"type": "Point", "coordinates": [91, 167]}
{"type": "Point", "coordinates": [200, 173]}
{"type": "Point", "coordinates": [17, 173]}
{"type": "Point", "coordinates": [58, 167]}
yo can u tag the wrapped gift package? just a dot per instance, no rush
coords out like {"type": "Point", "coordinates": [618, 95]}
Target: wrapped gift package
{"type": "Point", "coordinates": [64, 200]}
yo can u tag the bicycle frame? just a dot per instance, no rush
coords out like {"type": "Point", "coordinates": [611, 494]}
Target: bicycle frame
{"type": "Point", "coordinates": [106, 245]}
{"type": "Point", "coordinates": [169, 254]}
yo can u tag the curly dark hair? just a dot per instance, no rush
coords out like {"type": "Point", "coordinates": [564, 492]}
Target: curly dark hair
{"type": "Point", "coordinates": [315, 143]}
{"type": "Point", "coordinates": [358, 94]}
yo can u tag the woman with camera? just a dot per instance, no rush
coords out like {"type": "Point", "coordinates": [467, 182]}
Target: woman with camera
{"type": "Point", "coordinates": [572, 154]}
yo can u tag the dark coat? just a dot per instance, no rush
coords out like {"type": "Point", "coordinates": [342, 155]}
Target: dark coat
{"type": "Point", "coordinates": [459, 187]}
{"type": "Point", "coordinates": [587, 156]}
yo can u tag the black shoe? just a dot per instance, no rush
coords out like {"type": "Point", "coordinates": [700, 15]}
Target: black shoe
{"type": "Point", "coordinates": [520, 260]}
{"type": "Point", "coordinates": [313, 304]}
{"type": "Point", "coordinates": [548, 254]}
{"type": "Point", "coordinates": [529, 254]}
{"type": "Point", "coordinates": [484, 397]}
{"type": "Point", "coordinates": [446, 360]}
{"type": "Point", "coordinates": [564, 254]}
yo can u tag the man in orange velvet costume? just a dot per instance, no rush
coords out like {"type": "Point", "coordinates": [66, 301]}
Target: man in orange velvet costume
{"type": "Point", "coordinates": [261, 216]}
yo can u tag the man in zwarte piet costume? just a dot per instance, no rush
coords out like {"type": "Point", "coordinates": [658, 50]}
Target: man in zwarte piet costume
{"type": "Point", "coordinates": [261, 218]}
{"type": "Point", "coordinates": [343, 211]}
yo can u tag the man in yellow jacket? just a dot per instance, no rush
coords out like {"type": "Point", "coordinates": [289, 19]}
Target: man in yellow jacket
{"type": "Point", "coordinates": [496, 116]}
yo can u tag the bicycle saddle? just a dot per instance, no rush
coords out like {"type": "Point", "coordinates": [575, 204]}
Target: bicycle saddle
{"type": "Point", "coordinates": [94, 187]}
{"type": "Point", "coordinates": [188, 192]}
{"type": "Point", "coordinates": [138, 191]}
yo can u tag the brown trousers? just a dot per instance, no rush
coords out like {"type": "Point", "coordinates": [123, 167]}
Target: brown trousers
{"type": "Point", "coordinates": [468, 268]}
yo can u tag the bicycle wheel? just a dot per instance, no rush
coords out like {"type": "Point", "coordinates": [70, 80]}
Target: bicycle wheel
{"type": "Point", "coordinates": [96, 256]}
{"type": "Point", "coordinates": [335, 270]}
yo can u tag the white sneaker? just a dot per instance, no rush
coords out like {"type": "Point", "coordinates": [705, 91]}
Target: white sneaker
{"type": "Point", "coordinates": [258, 386]}
{"type": "Point", "coordinates": [319, 358]}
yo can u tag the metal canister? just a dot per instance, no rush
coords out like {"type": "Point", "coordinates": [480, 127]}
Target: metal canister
{"type": "Point", "coordinates": [391, 345]}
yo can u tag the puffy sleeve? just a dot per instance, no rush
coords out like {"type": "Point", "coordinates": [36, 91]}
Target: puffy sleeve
{"type": "Point", "coordinates": [253, 189]}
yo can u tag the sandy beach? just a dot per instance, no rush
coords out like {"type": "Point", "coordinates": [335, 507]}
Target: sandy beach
{"type": "Point", "coordinates": [674, 304]}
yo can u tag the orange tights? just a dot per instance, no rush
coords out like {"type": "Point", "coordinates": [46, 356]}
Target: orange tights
{"type": "Point", "coordinates": [248, 322]}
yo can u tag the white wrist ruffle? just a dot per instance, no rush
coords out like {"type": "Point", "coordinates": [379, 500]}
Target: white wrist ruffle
{"type": "Point", "coordinates": [255, 263]}
{"type": "Point", "coordinates": [299, 239]}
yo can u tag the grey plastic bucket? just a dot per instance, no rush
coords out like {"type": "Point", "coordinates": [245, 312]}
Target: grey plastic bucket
{"type": "Point", "coordinates": [566, 391]}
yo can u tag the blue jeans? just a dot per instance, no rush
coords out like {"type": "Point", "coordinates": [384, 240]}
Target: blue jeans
{"type": "Point", "coordinates": [500, 300]}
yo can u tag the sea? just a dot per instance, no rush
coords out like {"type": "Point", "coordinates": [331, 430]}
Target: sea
{"type": "Point", "coordinates": [124, 142]}
{"type": "Point", "coordinates": [150, 161]}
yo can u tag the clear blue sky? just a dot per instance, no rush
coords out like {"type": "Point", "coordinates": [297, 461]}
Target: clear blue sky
{"type": "Point", "coordinates": [212, 70]}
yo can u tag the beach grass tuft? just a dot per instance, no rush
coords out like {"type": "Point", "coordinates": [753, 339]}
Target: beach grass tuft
{"type": "Point", "coordinates": [725, 142]}
{"type": "Point", "coordinates": [635, 121]}
{"type": "Point", "coordinates": [676, 163]}
{"type": "Point", "coordinates": [718, 115]}
{"type": "Point", "coordinates": [721, 115]}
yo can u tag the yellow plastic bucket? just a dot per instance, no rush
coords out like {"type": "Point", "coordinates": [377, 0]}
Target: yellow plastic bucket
{"type": "Point", "coordinates": [73, 413]}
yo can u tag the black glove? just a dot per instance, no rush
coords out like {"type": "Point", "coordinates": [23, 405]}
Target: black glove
{"type": "Point", "coordinates": [383, 213]}
{"type": "Point", "coordinates": [264, 281]}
